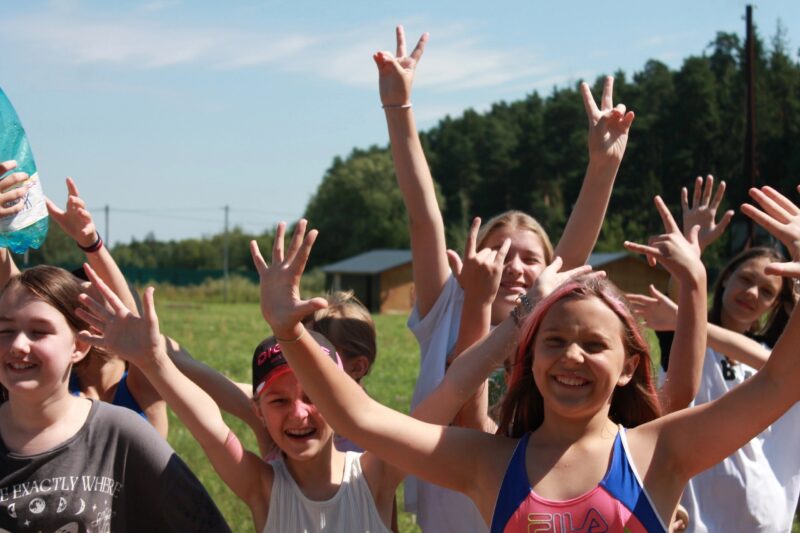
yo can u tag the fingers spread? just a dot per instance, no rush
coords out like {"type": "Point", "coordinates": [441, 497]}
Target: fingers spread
{"type": "Point", "coordinates": [149, 305]}
{"type": "Point", "coordinates": [417, 53]}
{"type": "Point", "coordinates": [297, 240]}
{"type": "Point", "coordinates": [455, 262]}
{"type": "Point", "coordinates": [400, 33]}
{"type": "Point", "coordinates": [628, 120]}
{"type": "Point", "coordinates": [698, 192]}
{"type": "Point", "coordinates": [108, 294]}
{"type": "Point", "coordinates": [93, 312]}
{"type": "Point", "coordinates": [769, 205]}
{"type": "Point", "coordinates": [72, 189]}
{"type": "Point", "coordinates": [95, 340]}
{"type": "Point", "coordinates": [258, 259]}
{"type": "Point", "coordinates": [709, 186]}
{"type": "Point", "coordinates": [640, 300]}
{"type": "Point", "coordinates": [762, 219]}
{"type": "Point", "coordinates": [723, 223]}
{"type": "Point", "coordinates": [52, 208]}
{"type": "Point", "coordinates": [500, 259]}
{"type": "Point", "coordinates": [719, 195]}
{"type": "Point", "coordinates": [579, 271]}
{"type": "Point", "coordinates": [608, 94]}
{"type": "Point", "coordinates": [472, 237]}
{"type": "Point", "coordinates": [301, 257]}
{"type": "Point", "coordinates": [790, 269]}
{"type": "Point", "coordinates": [588, 101]}
{"type": "Point", "coordinates": [277, 245]}
{"type": "Point", "coordinates": [666, 217]}
{"type": "Point", "coordinates": [780, 200]}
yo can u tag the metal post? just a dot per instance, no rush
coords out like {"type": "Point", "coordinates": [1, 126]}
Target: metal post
{"type": "Point", "coordinates": [750, 156]}
{"type": "Point", "coordinates": [225, 279]}
{"type": "Point", "coordinates": [108, 231]}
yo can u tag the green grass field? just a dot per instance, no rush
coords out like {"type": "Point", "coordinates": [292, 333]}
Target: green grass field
{"type": "Point", "coordinates": [224, 336]}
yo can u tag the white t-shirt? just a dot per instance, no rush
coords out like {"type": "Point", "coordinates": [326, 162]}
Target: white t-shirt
{"type": "Point", "coordinates": [439, 510]}
{"type": "Point", "coordinates": [756, 488]}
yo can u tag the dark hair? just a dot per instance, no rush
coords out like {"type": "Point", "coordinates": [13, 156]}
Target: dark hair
{"type": "Point", "coordinates": [778, 316]}
{"type": "Point", "coordinates": [634, 403]}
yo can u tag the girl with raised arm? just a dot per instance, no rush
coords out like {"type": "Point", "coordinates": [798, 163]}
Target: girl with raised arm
{"type": "Point", "coordinates": [69, 463]}
{"type": "Point", "coordinates": [756, 488]}
{"type": "Point", "coordinates": [562, 458]}
{"type": "Point", "coordinates": [106, 378]}
{"type": "Point", "coordinates": [311, 486]}
{"type": "Point", "coordinates": [102, 376]}
{"type": "Point", "coordinates": [437, 315]}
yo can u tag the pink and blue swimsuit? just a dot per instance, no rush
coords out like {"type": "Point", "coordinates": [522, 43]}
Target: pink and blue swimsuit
{"type": "Point", "coordinates": [618, 504]}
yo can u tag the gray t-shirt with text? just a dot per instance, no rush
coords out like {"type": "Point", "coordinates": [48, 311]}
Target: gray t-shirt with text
{"type": "Point", "coordinates": [115, 474]}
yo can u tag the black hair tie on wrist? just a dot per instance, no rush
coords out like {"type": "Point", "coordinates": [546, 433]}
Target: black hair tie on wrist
{"type": "Point", "coordinates": [96, 245]}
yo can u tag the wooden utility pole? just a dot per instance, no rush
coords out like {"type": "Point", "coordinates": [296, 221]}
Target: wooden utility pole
{"type": "Point", "coordinates": [750, 156]}
{"type": "Point", "coordinates": [225, 260]}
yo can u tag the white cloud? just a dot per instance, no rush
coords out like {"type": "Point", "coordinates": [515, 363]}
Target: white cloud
{"type": "Point", "coordinates": [456, 61]}
{"type": "Point", "coordinates": [142, 44]}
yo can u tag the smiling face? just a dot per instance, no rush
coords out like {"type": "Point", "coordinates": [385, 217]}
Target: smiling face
{"type": "Point", "coordinates": [293, 421]}
{"type": "Point", "coordinates": [525, 260]}
{"type": "Point", "coordinates": [580, 357]}
{"type": "Point", "coordinates": [37, 345]}
{"type": "Point", "coordinates": [748, 294]}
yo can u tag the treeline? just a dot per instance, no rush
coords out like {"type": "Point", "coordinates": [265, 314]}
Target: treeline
{"type": "Point", "coordinates": [531, 154]}
{"type": "Point", "coordinates": [180, 262]}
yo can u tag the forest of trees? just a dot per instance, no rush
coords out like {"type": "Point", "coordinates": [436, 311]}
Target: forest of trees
{"type": "Point", "coordinates": [531, 155]}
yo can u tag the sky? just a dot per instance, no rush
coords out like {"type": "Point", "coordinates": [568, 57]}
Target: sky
{"type": "Point", "coordinates": [168, 110]}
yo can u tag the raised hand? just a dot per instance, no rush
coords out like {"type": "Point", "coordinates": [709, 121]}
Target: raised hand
{"type": "Point", "coordinates": [658, 311]}
{"type": "Point", "coordinates": [281, 304]}
{"type": "Point", "coordinates": [678, 254]}
{"type": "Point", "coordinates": [781, 218]}
{"type": "Point", "coordinates": [480, 272]}
{"type": "Point", "coordinates": [396, 72]}
{"type": "Point", "coordinates": [552, 276]}
{"type": "Point", "coordinates": [11, 191]}
{"type": "Point", "coordinates": [608, 125]}
{"type": "Point", "coordinates": [75, 220]}
{"type": "Point", "coordinates": [703, 211]}
{"type": "Point", "coordinates": [115, 328]}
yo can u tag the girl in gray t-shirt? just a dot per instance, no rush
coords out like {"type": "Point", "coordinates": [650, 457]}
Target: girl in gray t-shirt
{"type": "Point", "coordinates": [68, 463]}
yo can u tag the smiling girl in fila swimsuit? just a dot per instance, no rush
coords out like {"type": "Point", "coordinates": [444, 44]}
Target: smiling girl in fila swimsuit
{"type": "Point", "coordinates": [581, 379]}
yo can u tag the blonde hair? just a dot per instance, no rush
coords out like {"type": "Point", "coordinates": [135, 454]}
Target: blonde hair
{"type": "Point", "coordinates": [516, 220]}
{"type": "Point", "coordinates": [347, 323]}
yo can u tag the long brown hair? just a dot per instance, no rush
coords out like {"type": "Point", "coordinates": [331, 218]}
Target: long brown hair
{"type": "Point", "coordinates": [778, 315]}
{"type": "Point", "coordinates": [634, 403]}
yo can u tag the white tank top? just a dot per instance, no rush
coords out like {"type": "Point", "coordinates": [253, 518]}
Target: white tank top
{"type": "Point", "coordinates": [350, 510]}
